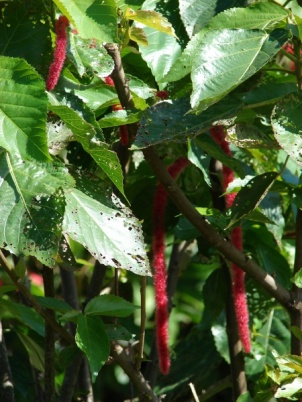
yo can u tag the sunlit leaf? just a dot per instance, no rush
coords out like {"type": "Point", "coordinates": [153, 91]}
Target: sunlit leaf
{"type": "Point", "coordinates": [91, 18]}
{"type": "Point", "coordinates": [151, 19]}
{"type": "Point", "coordinates": [23, 108]}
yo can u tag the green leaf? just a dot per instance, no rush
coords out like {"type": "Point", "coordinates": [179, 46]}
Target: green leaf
{"type": "Point", "coordinates": [23, 108]}
{"type": "Point", "coordinates": [89, 56]}
{"type": "Point", "coordinates": [289, 388]}
{"type": "Point", "coordinates": [287, 126]}
{"type": "Point", "coordinates": [25, 315]}
{"type": "Point", "coordinates": [107, 229]}
{"type": "Point", "coordinates": [32, 207]}
{"type": "Point", "coordinates": [250, 196]}
{"type": "Point", "coordinates": [195, 15]}
{"type": "Point", "coordinates": [291, 361]}
{"type": "Point", "coordinates": [258, 16]}
{"type": "Point", "coordinates": [200, 159]}
{"type": "Point", "coordinates": [87, 136]}
{"type": "Point", "coordinates": [212, 149]}
{"type": "Point", "coordinates": [151, 19]}
{"type": "Point", "coordinates": [119, 118]}
{"type": "Point", "coordinates": [22, 24]}
{"type": "Point", "coordinates": [34, 350]}
{"type": "Point", "coordinates": [219, 333]}
{"type": "Point", "coordinates": [228, 57]}
{"type": "Point", "coordinates": [170, 121]}
{"type": "Point", "coordinates": [54, 304]}
{"type": "Point", "coordinates": [118, 332]}
{"type": "Point", "coordinates": [92, 339]}
{"type": "Point", "coordinates": [109, 305]}
{"type": "Point", "coordinates": [246, 397]}
{"type": "Point", "coordinates": [91, 18]}
{"type": "Point", "coordinates": [296, 331]}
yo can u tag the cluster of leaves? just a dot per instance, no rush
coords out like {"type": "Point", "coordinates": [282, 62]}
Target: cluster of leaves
{"type": "Point", "coordinates": [62, 183]}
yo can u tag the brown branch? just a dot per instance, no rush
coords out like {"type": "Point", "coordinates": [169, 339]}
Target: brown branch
{"type": "Point", "coordinates": [217, 240]}
{"type": "Point", "coordinates": [140, 353]}
{"type": "Point", "coordinates": [145, 392]}
{"type": "Point", "coordinates": [28, 296]}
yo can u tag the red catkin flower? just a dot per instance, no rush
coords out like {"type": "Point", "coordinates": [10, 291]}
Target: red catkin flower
{"type": "Point", "coordinates": [238, 288]}
{"type": "Point", "coordinates": [159, 264]}
{"type": "Point", "coordinates": [162, 95]}
{"type": "Point", "coordinates": [59, 53]}
{"type": "Point", "coordinates": [123, 131]}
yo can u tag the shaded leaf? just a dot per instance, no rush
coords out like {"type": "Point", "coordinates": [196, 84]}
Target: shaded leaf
{"type": "Point", "coordinates": [23, 108]}
{"type": "Point", "coordinates": [22, 24]}
{"type": "Point", "coordinates": [251, 195]}
{"type": "Point", "coordinates": [92, 19]}
{"type": "Point", "coordinates": [34, 350]}
{"type": "Point", "coordinates": [92, 339]}
{"type": "Point", "coordinates": [109, 305]}
{"type": "Point", "coordinates": [118, 332]}
{"type": "Point", "coordinates": [107, 229]}
{"type": "Point", "coordinates": [170, 121]}
{"type": "Point", "coordinates": [54, 304]}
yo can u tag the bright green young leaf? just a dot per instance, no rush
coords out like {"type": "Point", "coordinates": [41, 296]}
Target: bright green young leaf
{"type": "Point", "coordinates": [91, 18]}
{"type": "Point", "coordinates": [86, 135]}
{"type": "Point", "coordinates": [250, 196]}
{"type": "Point", "coordinates": [292, 362]}
{"type": "Point", "coordinates": [32, 207]}
{"type": "Point", "coordinates": [23, 108]}
{"type": "Point", "coordinates": [35, 351]}
{"type": "Point", "coordinates": [92, 339]}
{"type": "Point", "coordinates": [228, 57]}
{"type": "Point", "coordinates": [287, 126]}
{"type": "Point", "coordinates": [151, 19]}
{"type": "Point", "coordinates": [109, 305]}
{"type": "Point", "coordinates": [89, 55]}
{"type": "Point", "coordinates": [107, 229]}
{"type": "Point", "coordinates": [138, 35]}
{"type": "Point", "coordinates": [25, 23]}
{"type": "Point", "coordinates": [297, 278]}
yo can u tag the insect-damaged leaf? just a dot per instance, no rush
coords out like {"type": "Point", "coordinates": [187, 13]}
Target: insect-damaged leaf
{"type": "Point", "coordinates": [32, 207]}
{"type": "Point", "coordinates": [251, 195]}
{"type": "Point", "coordinates": [106, 228]}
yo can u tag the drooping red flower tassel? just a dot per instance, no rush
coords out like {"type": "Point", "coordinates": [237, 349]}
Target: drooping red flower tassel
{"type": "Point", "coordinates": [123, 131]}
{"type": "Point", "coordinates": [59, 53]}
{"type": "Point", "coordinates": [160, 276]}
{"type": "Point", "coordinates": [238, 288]}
